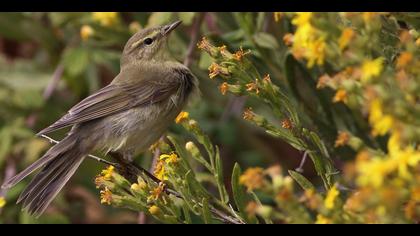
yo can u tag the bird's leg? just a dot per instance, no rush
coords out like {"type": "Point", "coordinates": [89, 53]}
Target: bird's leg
{"type": "Point", "coordinates": [129, 169]}
{"type": "Point", "coordinates": [124, 167]}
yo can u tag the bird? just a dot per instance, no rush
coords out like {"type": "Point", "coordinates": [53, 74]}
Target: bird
{"type": "Point", "coordinates": [125, 117]}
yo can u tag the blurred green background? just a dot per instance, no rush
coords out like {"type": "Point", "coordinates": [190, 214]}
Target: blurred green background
{"type": "Point", "coordinates": [50, 61]}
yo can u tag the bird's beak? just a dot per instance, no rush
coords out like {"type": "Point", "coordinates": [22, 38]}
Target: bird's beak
{"type": "Point", "coordinates": [168, 28]}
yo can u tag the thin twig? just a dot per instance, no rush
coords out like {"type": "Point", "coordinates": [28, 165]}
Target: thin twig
{"type": "Point", "coordinates": [89, 155]}
{"type": "Point", "coordinates": [52, 85]}
{"type": "Point", "coordinates": [302, 162]}
{"type": "Point", "coordinates": [195, 31]}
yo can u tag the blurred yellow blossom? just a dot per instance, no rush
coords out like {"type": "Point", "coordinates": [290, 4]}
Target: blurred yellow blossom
{"type": "Point", "coordinates": [182, 116]}
{"type": "Point", "coordinates": [315, 52]}
{"type": "Point", "coordinates": [134, 27]}
{"type": "Point", "coordinates": [2, 202]}
{"type": "Point", "coordinates": [320, 219]}
{"type": "Point", "coordinates": [223, 88]}
{"type": "Point", "coordinates": [302, 18]}
{"type": "Point", "coordinates": [252, 178]}
{"type": "Point", "coordinates": [371, 69]}
{"type": "Point", "coordinates": [340, 96]}
{"type": "Point", "coordinates": [342, 139]}
{"type": "Point", "coordinates": [332, 195]}
{"type": "Point", "coordinates": [381, 123]}
{"type": "Point", "coordinates": [345, 38]}
{"type": "Point", "coordinates": [138, 186]}
{"type": "Point", "coordinates": [86, 32]}
{"type": "Point", "coordinates": [404, 59]}
{"type": "Point", "coordinates": [154, 210]}
{"type": "Point", "coordinates": [105, 18]}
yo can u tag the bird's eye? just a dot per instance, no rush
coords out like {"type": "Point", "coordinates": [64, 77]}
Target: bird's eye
{"type": "Point", "coordinates": [148, 41]}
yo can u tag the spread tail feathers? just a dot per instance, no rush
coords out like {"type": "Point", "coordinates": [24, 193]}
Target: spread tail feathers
{"type": "Point", "coordinates": [58, 165]}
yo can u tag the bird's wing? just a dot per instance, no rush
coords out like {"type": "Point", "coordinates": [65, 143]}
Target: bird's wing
{"type": "Point", "coordinates": [116, 98]}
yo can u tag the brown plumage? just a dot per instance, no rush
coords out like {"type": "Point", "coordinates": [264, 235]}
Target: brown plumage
{"type": "Point", "coordinates": [126, 117]}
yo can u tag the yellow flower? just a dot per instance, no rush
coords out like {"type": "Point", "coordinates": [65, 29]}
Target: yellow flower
{"type": "Point", "coordinates": [253, 86]}
{"type": "Point", "coordinates": [238, 55]}
{"type": "Point", "coordinates": [342, 139]}
{"type": "Point", "coordinates": [86, 32]}
{"type": "Point", "coordinates": [315, 52]}
{"type": "Point", "coordinates": [371, 69]}
{"type": "Point", "coordinates": [404, 59]}
{"type": "Point", "coordinates": [134, 27]}
{"type": "Point", "coordinates": [320, 219]}
{"type": "Point", "coordinates": [332, 195]}
{"type": "Point", "coordinates": [380, 122]}
{"type": "Point", "coordinates": [183, 116]}
{"type": "Point", "coordinates": [402, 157]}
{"type": "Point", "coordinates": [215, 70]}
{"type": "Point", "coordinates": [340, 96]}
{"type": "Point", "coordinates": [206, 46]}
{"type": "Point", "coordinates": [286, 124]}
{"type": "Point", "coordinates": [345, 38]}
{"type": "Point", "coordinates": [106, 196]}
{"type": "Point", "coordinates": [248, 114]}
{"type": "Point", "coordinates": [373, 171]}
{"type": "Point", "coordinates": [154, 210]}
{"type": "Point", "coordinates": [302, 18]}
{"type": "Point", "coordinates": [105, 18]}
{"type": "Point", "coordinates": [253, 178]}
{"type": "Point", "coordinates": [2, 202]}
{"type": "Point", "coordinates": [169, 158]}
{"type": "Point", "coordinates": [160, 170]}
{"type": "Point", "coordinates": [368, 16]}
{"type": "Point", "coordinates": [157, 192]}
{"type": "Point", "coordinates": [139, 186]}
{"type": "Point", "coordinates": [224, 88]}
{"type": "Point", "coordinates": [107, 174]}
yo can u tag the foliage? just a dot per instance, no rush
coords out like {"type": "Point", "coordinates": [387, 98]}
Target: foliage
{"type": "Point", "coordinates": [339, 89]}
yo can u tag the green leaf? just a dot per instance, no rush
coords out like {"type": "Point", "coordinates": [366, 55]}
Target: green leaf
{"type": "Point", "coordinates": [186, 17]}
{"type": "Point", "coordinates": [159, 18]}
{"type": "Point", "coordinates": [265, 40]}
{"type": "Point", "coordinates": [187, 214]}
{"type": "Point", "coordinates": [75, 60]}
{"type": "Point", "coordinates": [239, 192]}
{"type": "Point", "coordinates": [5, 144]}
{"type": "Point", "coordinates": [206, 211]}
{"type": "Point", "coordinates": [301, 180]}
{"type": "Point", "coordinates": [224, 196]}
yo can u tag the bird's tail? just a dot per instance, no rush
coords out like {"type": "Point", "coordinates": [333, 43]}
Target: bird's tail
{"type": "Point", "coordinates": [58, 165]}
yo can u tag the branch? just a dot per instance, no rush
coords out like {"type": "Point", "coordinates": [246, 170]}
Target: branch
{"type": "Point", "coordinates": [52, 85]}
{"type": "Point", "coordinates": [198, 20]}
{"type": "Point", "coordinates": [89, 155]}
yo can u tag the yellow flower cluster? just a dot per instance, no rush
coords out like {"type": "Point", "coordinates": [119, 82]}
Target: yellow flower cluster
{"type": "Point", "coordinates": [307, 42]}
{"type": "Point", "coordinates": [105, 18]}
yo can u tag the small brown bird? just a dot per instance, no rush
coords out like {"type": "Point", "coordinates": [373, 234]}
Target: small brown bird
{"type": "Point", "coordinates": [125, 117]}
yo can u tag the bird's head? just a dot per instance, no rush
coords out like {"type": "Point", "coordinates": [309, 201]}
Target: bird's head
{"type": "Point", "coordinates": [148, 44]}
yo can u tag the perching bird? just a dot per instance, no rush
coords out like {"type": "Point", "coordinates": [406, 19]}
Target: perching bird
{"type": "Point", "coordinates": [126, 116]}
